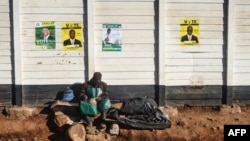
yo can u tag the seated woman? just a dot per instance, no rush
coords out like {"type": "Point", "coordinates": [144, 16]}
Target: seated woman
{"type": "Point", "coordinates": [94, 100]}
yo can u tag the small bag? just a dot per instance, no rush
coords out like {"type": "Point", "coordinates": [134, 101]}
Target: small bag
{"type": "Point", "coordinates": [94, 92]}
{"type": "Point", "coordinates": [88, 109]}
{"type": "Point", "coordinates": [68, 95]}
{"type": "Point", "coordinates": [104, 104]}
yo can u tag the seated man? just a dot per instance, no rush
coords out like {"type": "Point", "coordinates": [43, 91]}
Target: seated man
{"type": "Point", "coordinates": [94, 99]}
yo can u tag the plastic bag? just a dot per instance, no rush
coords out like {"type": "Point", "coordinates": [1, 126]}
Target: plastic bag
{"type": "Point", "coordinates": [68, 95]}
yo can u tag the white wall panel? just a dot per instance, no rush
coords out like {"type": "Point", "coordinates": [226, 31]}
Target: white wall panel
{"type": "Point", "coordinates": [56, 66]}
{"type": "Point", "coordinates": [139, 38]}
{"type": "Point", "coordinates": [5, 41]}
{"type": "Point", "coordinates": [194, 65]}
{"type": "Point", "coordinates": [240, 42]}
{"type": "Point", "coordinates": [135, 64]}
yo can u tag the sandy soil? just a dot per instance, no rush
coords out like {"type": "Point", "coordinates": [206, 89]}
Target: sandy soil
{"type": "Point", "coordinates": [188, 124]}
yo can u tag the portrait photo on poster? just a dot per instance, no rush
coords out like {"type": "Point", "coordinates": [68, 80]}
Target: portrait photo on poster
{"type": "Point", "coordinates": [72, 36]}
{"type": "Point", "coordinates": [72, 41]}
{"type": "Point", "coordinates": [45, 34]}
{"type": "Point", "coordinates": [111, 37]}
{"type": "Point", "coordinates": [189, 32]}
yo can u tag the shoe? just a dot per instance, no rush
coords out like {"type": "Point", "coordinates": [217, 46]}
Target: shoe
{"type": "Point", "coordinates": [102, 127]}
{"type": "Point", "coordinates": [91, 130]}
{"type": "Point", "coordinates": [114, 129]}
{"type": "Point", "coordinates": [104, 115]}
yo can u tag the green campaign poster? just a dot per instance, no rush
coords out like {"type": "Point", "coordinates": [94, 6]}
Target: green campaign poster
{"type": "Point", "coordinates": [111, 37]}
{"type": "Point", "coordinates": [45, 34]}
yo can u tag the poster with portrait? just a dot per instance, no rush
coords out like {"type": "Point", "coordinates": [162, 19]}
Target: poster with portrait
{"type": "Point", "coordinates": [72, 37]}
{"type": "Point", "coordinates": [189, 31]}
{"type": "Point", "coordinates": [111, 37]}
{"type": "Point", "coordinates": [45, 34]}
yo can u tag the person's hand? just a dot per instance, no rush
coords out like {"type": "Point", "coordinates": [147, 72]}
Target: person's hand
{"type": "Point", "coordinates": [98, 98]}
{"type": "Point", "coordinates": [85, 97]}
{"type": "Point", "coordinates": [92, 101]}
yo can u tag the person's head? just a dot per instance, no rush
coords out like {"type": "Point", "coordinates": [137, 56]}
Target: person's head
{"type": "Point", "coordinates": [189, 30]}
{"type": "Point", "coordinates": [72, 33]}
{"type": "Point", "coordinates": [46, 31]}
{"type": "Point", "coordinates": [96, 79]}
{"type": "Point", "coordinates": [97, 76]}
{"type": "Point", "coordinates": [108, 30]}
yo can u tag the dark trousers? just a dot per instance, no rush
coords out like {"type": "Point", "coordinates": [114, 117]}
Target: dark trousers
{"type": "Point", "coordinates": [90, 119]}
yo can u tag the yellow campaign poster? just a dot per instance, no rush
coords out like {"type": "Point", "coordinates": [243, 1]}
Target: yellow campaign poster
{"type": "Point", "coordinates": [189, 31]}
{"type": "Point", "coordinates": [72, 36]}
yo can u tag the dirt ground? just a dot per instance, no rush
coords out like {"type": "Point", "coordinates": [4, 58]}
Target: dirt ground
{"type": "Point", "coordinates": [188, 124]}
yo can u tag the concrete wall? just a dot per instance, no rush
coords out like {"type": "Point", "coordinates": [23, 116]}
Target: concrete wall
{"type": "Point", "coordinates": [152, 61]}
{"type": "Point", "coordinates": [6, 53]}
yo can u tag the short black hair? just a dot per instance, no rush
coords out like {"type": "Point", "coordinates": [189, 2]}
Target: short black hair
{"type": "Point", "coordinates": [72, 30]}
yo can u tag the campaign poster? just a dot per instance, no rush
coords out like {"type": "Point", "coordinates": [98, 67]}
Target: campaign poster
{"type": "Point", "coordinates": [189, 31]}
{"type": "Point", "coordinates": [72, 35]}
{"type": "Point", "coordinates": [111, 37]}
{"type": "Point", "coordinates": [45, 34]}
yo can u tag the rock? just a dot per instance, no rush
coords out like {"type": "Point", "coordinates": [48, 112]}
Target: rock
{"type": "Point", "coordinates": [114, 129]}
{"type": "Point", "coordinates": [76, 132]}
{"type": "Point", "coordinates": [98, 137]}
{"type": "Point", "coordinates": [169, 110]}
{"type": "Point", "coordinates": [66, 107]}
{"type": "Point", "coordinates": [20, 113]}
{"type": "Point", "coordinates": [61, 119]}
{"type": "Point", "coordinates": [230, 109]}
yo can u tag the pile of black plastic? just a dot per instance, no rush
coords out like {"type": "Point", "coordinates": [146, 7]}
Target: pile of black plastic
{"type": "Point", "coordinates": [140, 113]}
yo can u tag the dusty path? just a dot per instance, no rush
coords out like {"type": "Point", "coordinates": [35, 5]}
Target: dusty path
{"type": "Point", "coordinates": [188, 124]}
